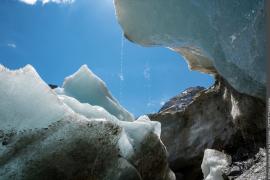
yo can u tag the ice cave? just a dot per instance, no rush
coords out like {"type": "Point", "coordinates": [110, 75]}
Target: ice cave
{"type": "Point", "coordinates": [81, 131]}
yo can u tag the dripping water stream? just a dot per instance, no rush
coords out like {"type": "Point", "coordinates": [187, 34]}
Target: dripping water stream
{"type": "Point", "coordinates": [121, 75]}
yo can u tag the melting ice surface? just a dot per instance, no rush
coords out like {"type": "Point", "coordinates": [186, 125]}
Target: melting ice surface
{"type": "Point", "coordinates": [27, 103]}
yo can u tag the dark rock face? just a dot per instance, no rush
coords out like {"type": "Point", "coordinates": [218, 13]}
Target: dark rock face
{"type": "Point", "coordinates": [179, 102]}
{"type": "Point", "coordinates": [217, 118]}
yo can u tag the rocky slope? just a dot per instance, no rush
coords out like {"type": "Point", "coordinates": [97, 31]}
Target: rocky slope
{"type": "Point", "coordinates": [217, 118]}
{"type": "Point", "coordinates": [181, 101]}
{"type": "Point", "coordinates": [219, 166]}
{"type": "Point", "coordinates": [253, 168]}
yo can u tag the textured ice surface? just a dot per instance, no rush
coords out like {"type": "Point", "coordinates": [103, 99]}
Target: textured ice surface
{"type": "Point", "coordinates": [133, 132]}
{"type": "Point", "coordinates": [87, 110]}
{"type": "Point", "coordinates": [26, 101]}
{"type": "Point", "coordinates": [214, 164]}
{"type": "Point", "coordinates": [227, 37]}
{"type": "Point", "coordinates": [48, 135]}
{"type": "Point", "coordinates": [86, 87]}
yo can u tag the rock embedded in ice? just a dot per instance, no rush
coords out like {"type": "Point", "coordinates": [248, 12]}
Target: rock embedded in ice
{"type": "Point", "coordinates": [86, 87]}
{"type": "Point", "coordinates": [72, 149]}
{"type": "Point", "coordinates": [81, 149]}
{"type": "Point", "coordinates": [224, 37]}
{"type": "Point", "coordinates": [46, 135]}
{"type": "Point", "coordinates": [215, 164]}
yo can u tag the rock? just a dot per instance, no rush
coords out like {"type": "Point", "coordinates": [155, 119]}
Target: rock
{"type": "Point", "coordinates": [250, 174]}
{"type": "Point", "coordinates": [179, 176]}
{"type": "Point", "coordinates": [5, 142]}
{"type": "Point", "coordinates": [217, 165]}
{"type": "Point", "coordinates": [235, 171]}
{"type": "Point", "coordinates": [45, 135]}
{"type": "Point", "coordinates": [216, 37]}
{"type": "Point", "coordinates": [254, 168]}
{"type": "Point", "coordinates": [217, 118]}
{"type": "Point", "coordinates": [52, 86]}
{"type": "Point", "coordinates": [181, 101]}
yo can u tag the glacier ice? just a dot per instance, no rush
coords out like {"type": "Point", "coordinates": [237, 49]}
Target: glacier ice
{"type": "Point", "coordinates": [139, 129]}
{"type": "Point", "coordinates": [224, 37]}
{"type": "Point", "coordinates": [47, 133]}
{"type": "Point", "coordinates": [87, 110]}
{"type": "Point", "coordinates": [214, 164]}
{"type": "Point", "coordinates": [86, 87]}
{"type": "Point", "coordinates": [26, 100]}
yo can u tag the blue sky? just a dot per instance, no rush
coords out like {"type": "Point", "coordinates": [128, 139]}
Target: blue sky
{"type": "Point", "coordinates": [57, 38]}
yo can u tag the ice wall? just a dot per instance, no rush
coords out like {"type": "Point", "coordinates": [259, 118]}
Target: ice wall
{"type": "Point", "coordinates": [48, 134]}
{"type": "Point", "coordinates": [224, 37]}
